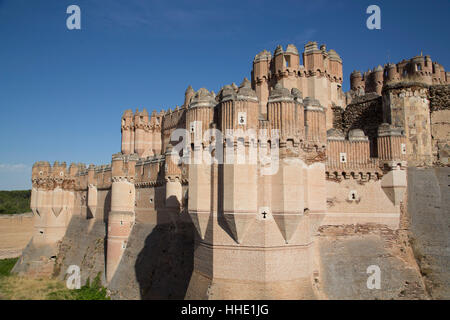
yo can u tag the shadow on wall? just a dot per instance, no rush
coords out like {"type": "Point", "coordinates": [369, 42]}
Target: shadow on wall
{"type": "Point", "coordinates": [165, 263]}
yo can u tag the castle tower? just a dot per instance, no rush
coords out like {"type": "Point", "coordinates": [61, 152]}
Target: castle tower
{"type": "Point", "coordinates": [141, 137]}
{"type": "Point", "coordinates": [122, 216]}
{"type": "Point", "coordinates": [127, 132]}
{"type": "Point", "coordinates": [155, 139]}
{"type": "Point", "coordinates": [240, 113]}
{"type": "Point", "coordinates": [174, 190]}
{"type": "Point", "coordinates": [392, 74]}
{"type": "Point", "coordinates": [393, 155]}
{"type": "Point", "coordinates": [378, 80]}
{"type": "Point", "coordinates": [407, 106]}
{"type": "Point", "coordinates": [287, 65]}
{"type": "Point", "coordinates": [260, 79]}
{"type": "Point", "coordinates": [51, 201]}
{"type": "Point", "coordinates": [198, 120]}
{"type": "Point", "coordinates": [335, 66]}
{"type": "Point", "coordinates": [92, 192]}
{"type": "Point", "coordinates": [315, 126]}
{"type": "Point", "coordinates": [356, 82]}
{"type": "Point", "coordinates": [313, 58]}
{"type": "Point", "coordinates": [188, 96]}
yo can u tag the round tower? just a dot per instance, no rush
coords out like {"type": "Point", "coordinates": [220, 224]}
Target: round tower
{"type": "Point", "coordinates": [127, 128]}
{"type": "Point", "coordinates": [188, 96]}
{"type": "Point", "coordinates": [392, 74]}
{"type": "Point", "coordinates": [356, 81]}
{"type": "Point", "coordinates": [378, 79]}
{"type": "Point", "coordinates": [141, 141]}
{"type": "Point", "coordinates": [260, 78]}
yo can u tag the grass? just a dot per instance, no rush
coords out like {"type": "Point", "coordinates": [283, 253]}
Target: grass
{"type": "Point", "coordinates": [12, 202]}
{"type": "Point", "coordinates": [6, 266]}
{"type": "Point", "coordinates": [14, 287]}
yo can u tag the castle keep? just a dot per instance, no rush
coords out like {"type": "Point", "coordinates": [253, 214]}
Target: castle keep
{"type": "Point", "coordinates": [251, 213]}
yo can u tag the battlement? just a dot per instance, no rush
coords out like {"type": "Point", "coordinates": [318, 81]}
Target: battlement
{"type": "Point", "coordinates": [417, 69]}
{"type": "Point", "coordinates": [283, 63]}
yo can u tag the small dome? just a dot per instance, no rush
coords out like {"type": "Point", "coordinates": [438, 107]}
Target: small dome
{"type": "Point", "coordinates": [245, 90]}
{"type": "Point", "coordinates": [278, 50]}
{"type": "Point", "coordinates": [356, 134]}
{"type": "Point", "coordinates": [296, 93]}
{"type": "Point", "coordinates": [279, 91]}
{"type": "Point", "coordinates": [263, 55]}
{"type": "Point", "coordinates": [292, 49]}
{"type": "Point", "coordinates": [128, 113]}
{"type": "Point", "coordinates": [203, 98]}
{"type": "Point", "coordinates": [335, 134]}
{"type": "Point", "coordinates": [308, 101]}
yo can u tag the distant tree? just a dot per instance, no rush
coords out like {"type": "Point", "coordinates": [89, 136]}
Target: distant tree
{"type": "Point", "coordinates": [12, 202]}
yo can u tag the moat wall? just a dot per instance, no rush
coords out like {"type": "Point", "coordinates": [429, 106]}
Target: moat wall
{"type": "Point", "coordinates": [429, 214]}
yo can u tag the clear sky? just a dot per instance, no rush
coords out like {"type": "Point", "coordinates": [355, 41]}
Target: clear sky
{"type": "Point", "coordinates": [62, 92]}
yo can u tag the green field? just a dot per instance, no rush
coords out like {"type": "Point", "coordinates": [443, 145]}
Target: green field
{"type": "Point", "coordinates": [12, 202]}
{"type": "Point", "coordinates": [14, 287]}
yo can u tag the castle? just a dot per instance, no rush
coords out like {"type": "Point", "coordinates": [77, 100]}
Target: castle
{"type": "Point", "coordinates": [320, 157]}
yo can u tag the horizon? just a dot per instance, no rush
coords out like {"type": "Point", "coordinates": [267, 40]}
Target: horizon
{"type": "Point", "coordinates": [64, 91]}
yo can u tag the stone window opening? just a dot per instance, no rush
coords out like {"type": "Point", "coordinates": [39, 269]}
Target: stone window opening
{"type": "Point", "coordinates": [287, 62]}
{"type": "Point", "coordinates": [151, 200]}
{"type": "Point", "coordinates": [343, 157]}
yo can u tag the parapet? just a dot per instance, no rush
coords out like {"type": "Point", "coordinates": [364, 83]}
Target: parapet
{"type": "Point", "coordinates": [419, 69]}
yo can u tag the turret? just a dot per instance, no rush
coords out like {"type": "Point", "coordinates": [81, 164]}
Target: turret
{"type": "Point", "coordinates": [292, 58]}
{"type": "Point", "coordinates": [127, 128]}
{"type": "Point", "coordinates": [313, 57]}
{"type": "Point", "coordinates": [278, 58]}
{"type": "Point", "coordinates": [155, 142]}
{"type": "Point", "coordinates": [392, 74]}
{"type": "Point", "coordinates": [315, 126]}
{"type": "Point", "coordinates": [286, 113]}
{"type": "Point", "coordinates": [141, 137]}
{"type": "Point", "coordinates": [200, 114]}
{"type": "Point", "coordinates": [122, 216]}
{"type": "Point", "coordinates": [378, 79]}
{"type": "Point", "coordinates": [188, 96]}
{"type": "Point", "coordinates": [335, 66]}
{"type": "Point", "coordinates": [356, 82]}
{"type": "Point", "coordinates": [260, 78]}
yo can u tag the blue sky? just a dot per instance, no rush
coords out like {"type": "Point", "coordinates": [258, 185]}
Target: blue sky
{"type": "Point", "coordinates": [62, 92]}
